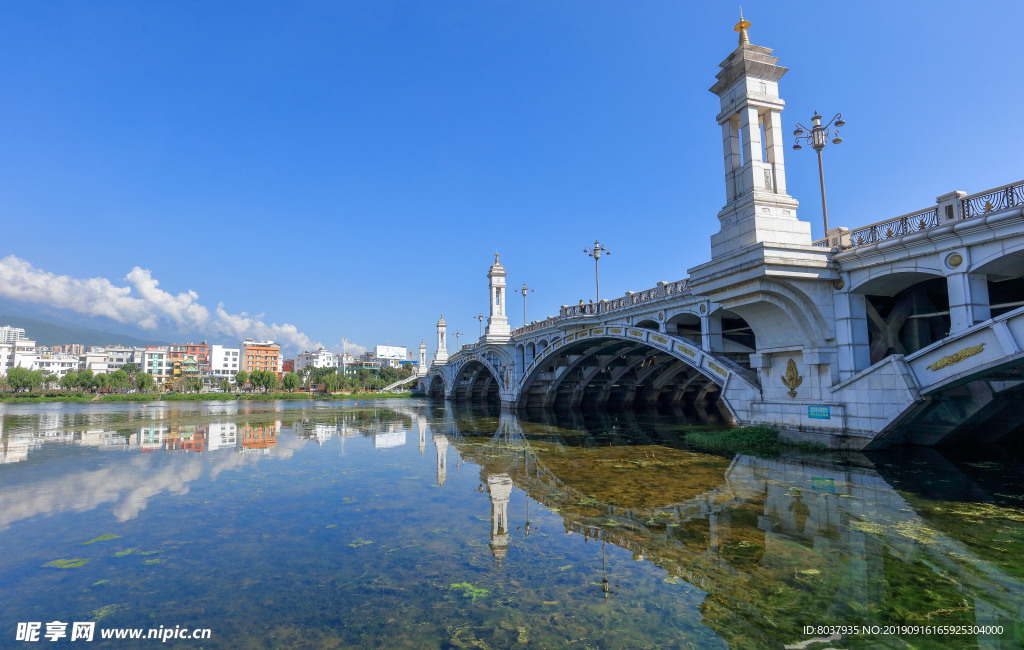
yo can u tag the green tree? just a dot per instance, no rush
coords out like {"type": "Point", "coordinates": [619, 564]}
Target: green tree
{"type": "Point", "coordinates": [144, 381]}
{"type": "Point", "coordinates": [19, 378]}
{"type": "Point", "coordinates": [269, 381]}
{"type": "Point", "coordinates": [131, 369]}
{"type": "Point", "coordinates": [256, 379]}
{"type": "Point", "coordinates": [291, 381]}
{"type": "Point", "coordinates": [69, 381]}
{"type": "Point", "coordinates": [85, 379]}
{"type": "Point", "coordinates": [119, 380]}
{"type": "Point", "coordinates": [101, 382]}
{"type": "Point", "coordinates": [241, 377]}
{"type": "Point", "coordinates": [332, 382]}
{"type": "Point", "coordinates": [194, 384]}
{"type": "Point", "coordinates": [225, 386]}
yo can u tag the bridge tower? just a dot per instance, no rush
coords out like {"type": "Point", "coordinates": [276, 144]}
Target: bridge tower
{"type": "Point", "coordinates": [499, 487]}
{"type": "Point", "coordinates": [441, 355]}
{"type": "Point", "coordinates": [757, 208]}
{"type": "Point", "coordinates": [422, 370]}
{"type": "Point", "coordinates": [497, 323]}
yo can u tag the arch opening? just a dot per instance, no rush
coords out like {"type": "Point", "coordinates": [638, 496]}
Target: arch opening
{"type": "Point", "coordinates": [905, 313]}
{"type": "Point", "coordinates": [436, 389]}
{"type": "Point", "coordinates": [685, 326]}
{"type": "Point", "coordinates": [614, 374]}
{"type": "Point", "coordinates": [475, 384]}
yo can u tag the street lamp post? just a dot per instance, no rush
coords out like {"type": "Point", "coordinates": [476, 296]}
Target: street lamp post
{"type": "Point", "coordinates": [457, 335]}
{"type": "Point", "coordinates": [596, 252]}
{"type": "Point", "coordinates": [344, 352]}
{"type": "Point", "coordinates": [817, 138]}
{"type": "Point", "coordinates": [524, 290]}
{"type": "Point", "coordinates": [480, 317]}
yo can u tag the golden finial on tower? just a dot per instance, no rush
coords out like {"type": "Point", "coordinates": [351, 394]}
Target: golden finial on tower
{"type": "Point", "coordinates": [495, 257]}
{"type": "Point", "coordinates": [742, 27]}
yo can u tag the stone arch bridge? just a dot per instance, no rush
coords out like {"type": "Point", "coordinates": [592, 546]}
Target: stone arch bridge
{"type": "Point", "coordinates": [908, 329]}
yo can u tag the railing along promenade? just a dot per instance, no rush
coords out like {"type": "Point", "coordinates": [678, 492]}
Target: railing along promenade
{"type": "Point", "coordinates": [662, 291]}
{"type": "Point", "coordinates": [971, 206]}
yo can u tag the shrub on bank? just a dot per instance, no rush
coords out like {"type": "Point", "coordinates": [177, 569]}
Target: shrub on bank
{"type": "Point", "coordinates": [754, 439]}
{"type": "Point", "coordinates": [131, 397]}
{"type": "Point", "coordinates": [45, 396]}
{"type": "Point", "coordinates": [197, 397]}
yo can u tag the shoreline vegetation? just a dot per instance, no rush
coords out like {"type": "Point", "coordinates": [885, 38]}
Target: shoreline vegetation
{"type": "Point", "coordinates": [755, 439]}
{"type": "Point", "coordinates": [79, 397]}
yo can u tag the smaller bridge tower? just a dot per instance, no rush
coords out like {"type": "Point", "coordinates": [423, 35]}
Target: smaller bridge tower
{"type": "Point", "coordinates": [497, 322]}
{"type": "Point", "coordinates": [441, 355]}
{"type": "Point", "coordinates": [499, 486]}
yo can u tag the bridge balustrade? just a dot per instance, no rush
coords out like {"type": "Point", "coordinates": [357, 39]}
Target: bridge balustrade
{"type": "Point", "coordinates": [971, 206]}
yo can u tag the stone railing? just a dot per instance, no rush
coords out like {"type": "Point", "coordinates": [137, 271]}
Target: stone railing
{"type": "Point", "coordinates": [952, 207]}
{"type": "Point", "coordinates": [631, 299]}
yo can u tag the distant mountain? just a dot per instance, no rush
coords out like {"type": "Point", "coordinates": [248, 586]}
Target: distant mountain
{"type": "Point", "coordinates": [50, 333]}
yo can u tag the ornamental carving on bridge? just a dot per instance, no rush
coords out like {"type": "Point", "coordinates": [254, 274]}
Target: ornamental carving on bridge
{"type": "Point", "coordinates": [792, 379]}
{"type": "Point", "coordinates": [957, 357]}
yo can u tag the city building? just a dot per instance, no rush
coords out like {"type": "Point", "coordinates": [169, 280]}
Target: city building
{"type": "Point", "coordinates": [96, 360]}
{"type": "Point", "coordinates": [156, 361]}
{"type": "Point", "coordinates": [320, 359]}
{"type": "Point", "coordinates": [24, 353]}
{"type": "Point", "coordinates": [10, 334]}
{"type": "Point", "coordinates": [6, 357]}
{"type": "Point", "coordinates": [346, 363]}
{"type": "Point", "coordinates": [389, 355]}
{"type": "Point", "coordinates": [116, 355]}
{"type": "Point", "coordinates": [200, 352]}
{"type": "Point", "coordinates": [56, 364]}
{"type": "Point", "coordinates": [260, 355]}
{"type": "Point", "coordinates": [71, 348]}
{"type": "Point", "coordinates": [224, 363]}
{"type": "Point", "coordinates": [288, 365]}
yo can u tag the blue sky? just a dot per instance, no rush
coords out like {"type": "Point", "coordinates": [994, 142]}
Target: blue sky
{"type": "Point", "coordinates": [349, 168]}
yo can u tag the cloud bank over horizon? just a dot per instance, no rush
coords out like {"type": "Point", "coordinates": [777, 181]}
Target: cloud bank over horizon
{"type": "Point", "coordinates": [141, 303]}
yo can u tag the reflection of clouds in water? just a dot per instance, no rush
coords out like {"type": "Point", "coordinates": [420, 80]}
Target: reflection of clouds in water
{"type": "Point", "coordinates": [129, 485]}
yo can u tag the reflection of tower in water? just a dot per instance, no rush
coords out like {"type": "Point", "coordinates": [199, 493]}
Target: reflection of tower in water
{"type": "Point", "coordinates": [499, 486]}
{"type": "Point", "coordinates": [441, 445]}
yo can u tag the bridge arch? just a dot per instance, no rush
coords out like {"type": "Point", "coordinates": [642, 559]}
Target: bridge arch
{"type": "Point", "coordinates": [685, 324]}
{"type": "Point", "coordinates": [905, 311]}
{"type": "Point", "coordinates": [435, 387]}
{"type": "Point", "coordinates": [603, 369]}
{"type": "Point", "coordinates": [475, 382]}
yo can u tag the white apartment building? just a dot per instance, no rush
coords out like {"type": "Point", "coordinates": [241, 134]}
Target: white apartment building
{"type": "Point", "coordinates": [95, 359]}
{"type": "Point", "coordinates": [6, 357]}
{"type": "Point", "coordinates": [156, 361]}
{"type": "Point", "coordinates": [320, 359]}
{"type": "Point", "coordinates": [10, 334]}
{"type": "Point", "coordinates": [118, 356]}
{"type": "Point", "coordinates": [24, 354]}
{"type": "Point", "coordinates": [224, 363]}
{"type": "Point", "coordinates": [56, 364]}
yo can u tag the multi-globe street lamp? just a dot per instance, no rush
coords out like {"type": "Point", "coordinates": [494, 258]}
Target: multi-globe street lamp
{"type": "Point", "coordinates": [817, 138]}
{"type": "Point", "coordinates": [458, 334]}
{"type": "Point", "coordinates": [480, 317]}
{"type": "Point", "coordinates": [524, 290]}
{"type": "Point", "coordinates": [596, 251]}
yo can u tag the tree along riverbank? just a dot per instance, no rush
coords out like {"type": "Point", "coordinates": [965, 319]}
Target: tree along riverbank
{"type": "Point", "coordinates": [30, 398]}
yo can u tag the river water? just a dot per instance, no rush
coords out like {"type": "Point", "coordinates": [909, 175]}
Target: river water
{"type": "Point", "coordinates": [406, 524]}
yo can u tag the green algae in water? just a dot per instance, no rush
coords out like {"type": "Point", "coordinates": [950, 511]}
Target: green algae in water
{"type": "Point", "coordinates": [100, 582]}
{"type": "Point", "coordinates": [102, 538]}
{"type": "Point", "coordinates": [107, 610]}
{"type": "Point", "coordinates": [565, 568]}
{"type": "Point", "coordinates": [359, 541]}
{"type": "Point", "coordinates": [153, 561]}
{"type": "Point", "coordinates": [469, 591]}
{"type": "Point", "coordinates": [150, 552]}
{"type": "Point", "coordinates": [127, 551]}
{"type": "Point", "coordinates": [69, 564]}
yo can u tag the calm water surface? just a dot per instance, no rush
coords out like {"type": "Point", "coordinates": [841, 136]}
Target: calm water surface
{"type": "Point", "coordinates": [402, 524]}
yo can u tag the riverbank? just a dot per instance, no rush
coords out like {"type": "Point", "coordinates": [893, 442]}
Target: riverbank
{"type": "Point", "coordinates": [756, 440]}
{"type": "Point", "coordinates": [189, 397]}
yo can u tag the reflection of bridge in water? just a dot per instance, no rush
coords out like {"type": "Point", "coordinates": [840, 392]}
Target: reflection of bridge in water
{"type": "Point", "coordinates": [910, 329]}
{"type": "Point", "coordinates": [832, 537]}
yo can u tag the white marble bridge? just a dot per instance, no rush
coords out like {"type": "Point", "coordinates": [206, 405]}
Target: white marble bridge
{"type": "Point", "coordinates": [906, 330]}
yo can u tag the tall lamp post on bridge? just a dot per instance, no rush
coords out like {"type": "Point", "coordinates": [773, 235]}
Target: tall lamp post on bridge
{"type": "Point", "coordinates": [344, 352]}
{"type": "Point", "coordinates": [458, 346]}
{"type": "Point", "coordinates": [480, 317]}
{"type": "Point", "coordinates": [596, 253]}
{"type": "Point", "coordinates": [524, 290]}
{"type": "Point", "coordinates": [817, 138]}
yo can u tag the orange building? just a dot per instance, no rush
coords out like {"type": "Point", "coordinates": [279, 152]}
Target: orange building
{"type": "Point", "coordinates": [260, 355]}
{"type": "Point", "coordinates": [259, 436]}
{"type": "Point", "coordinates": [200, 351]}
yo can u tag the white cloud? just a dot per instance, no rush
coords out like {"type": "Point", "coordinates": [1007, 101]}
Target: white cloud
{"type": "Point", "coordinates": [142, 303]}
